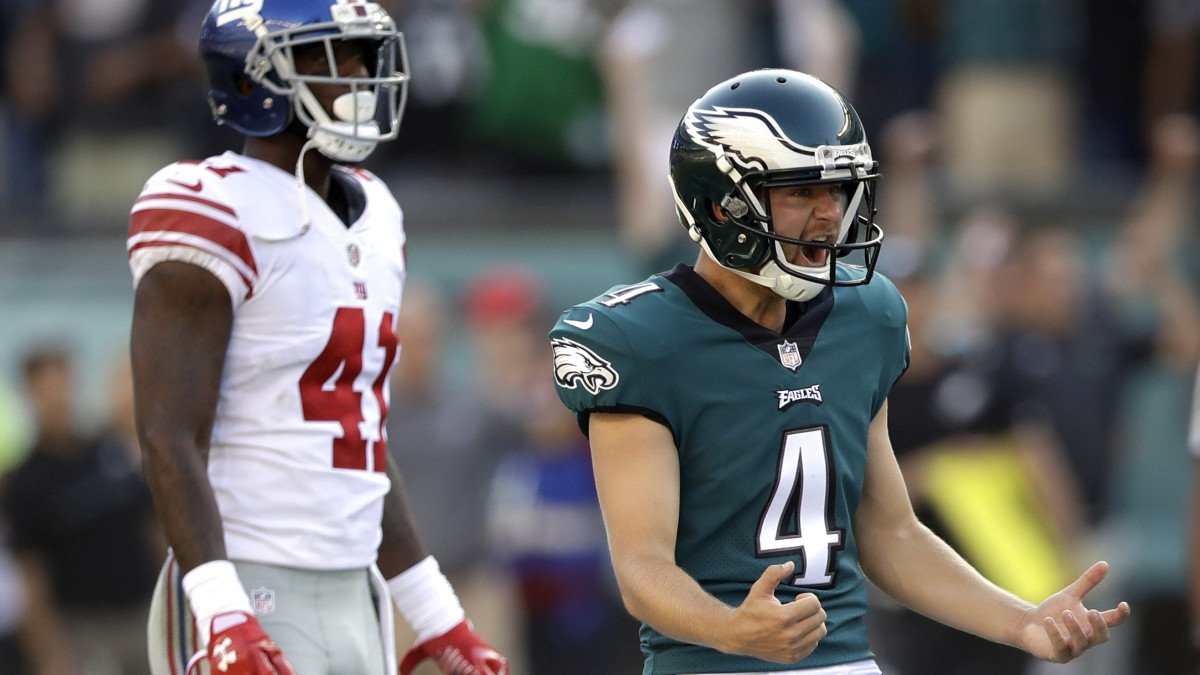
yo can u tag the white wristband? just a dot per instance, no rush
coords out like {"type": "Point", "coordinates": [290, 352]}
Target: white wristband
{"type": "Point", "coordinates": [426, 599]}
{"type": "Point", "coordinates": [213, 588]}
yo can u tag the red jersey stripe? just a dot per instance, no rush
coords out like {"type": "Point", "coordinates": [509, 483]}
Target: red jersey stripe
{"type": "Point", "coordinates": [188, 198]}
{"type": "Point", "coordinates": [171, 220]}
{"type": "Point", "coordinates": [155, 244]}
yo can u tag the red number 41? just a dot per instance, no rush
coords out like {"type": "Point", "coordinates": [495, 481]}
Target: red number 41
{"type": "Point", "coordinates": [343, 356]}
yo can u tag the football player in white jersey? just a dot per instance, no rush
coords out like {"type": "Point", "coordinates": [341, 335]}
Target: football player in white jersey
{"type": "Point", "coordinates": [267, 286]}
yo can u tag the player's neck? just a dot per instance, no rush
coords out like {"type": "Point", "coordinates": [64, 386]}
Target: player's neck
{"type": "Point", "coordinates": [756, 302]}
{"type": "Point", "coordinates": [282, 150]}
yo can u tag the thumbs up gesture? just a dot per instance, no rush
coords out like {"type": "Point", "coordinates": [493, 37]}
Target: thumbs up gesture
{"type": "Point", "coordinates": [780, 632]}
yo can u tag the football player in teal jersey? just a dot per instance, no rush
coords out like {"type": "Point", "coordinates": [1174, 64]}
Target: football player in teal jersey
{"type": "Point", "coordinates": [737, 412]}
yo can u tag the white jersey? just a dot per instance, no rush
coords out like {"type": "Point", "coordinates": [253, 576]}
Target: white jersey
{"type": "Point", "coordinates": [297, 459]}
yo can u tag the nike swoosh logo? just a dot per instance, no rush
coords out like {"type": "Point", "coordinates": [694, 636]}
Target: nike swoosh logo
{"type": "Point", "coordinates": [581, 325]}
{"type": "Point", "coordinates": [194, 188]}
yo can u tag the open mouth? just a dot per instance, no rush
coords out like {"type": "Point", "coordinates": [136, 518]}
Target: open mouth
{"type": "Point", "coordinates": [815, 256]}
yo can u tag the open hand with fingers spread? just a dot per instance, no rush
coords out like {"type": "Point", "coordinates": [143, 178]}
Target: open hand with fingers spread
{"type": "Point", "coordinates": [1062, 628]}
{"type": "Point", "coordinates": [781, 632]}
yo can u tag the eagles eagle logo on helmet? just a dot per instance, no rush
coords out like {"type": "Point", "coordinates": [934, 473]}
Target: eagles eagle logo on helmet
{"type": "Point", "coordinates": [748, 134]}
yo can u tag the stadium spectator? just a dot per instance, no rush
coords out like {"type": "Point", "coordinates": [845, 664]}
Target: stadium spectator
{"type": "Point", "coordinates": [32, 641]}
{"type": "Point", "coordinates": [1006, 96]}
{"type": "Point", "coordinates": [548, 534]}
{"type": "Point", "coordinates": [737, 412]}
{"type": "Point", "coordinates": [82, 520]}
{"type": "Point", "coordinates": [502, 310]}
{"type": "Point", "coordinates": [1168, 85]}
{"type": "Point", "coordinates": [1194, 530]}
{"type": "Point", "coordinates": [1067, 344]}
{"type": "Point", "coordinates": [443, 432]}
{"type": "Point", "coordinates": [100, 94]}
{"type": "Point", "coordinates": [267, 283]}
{"type": "Point", "coordinates": [1054, 372]}
{"type": "Point", "coordinates": [544, 520]}
{"type": "Point", "coordinates": [540, 102]}
{"type": "Point", "coordinates": [1001, 495]}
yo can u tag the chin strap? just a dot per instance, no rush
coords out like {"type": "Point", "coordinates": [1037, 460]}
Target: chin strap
{"type": "Point", "coordinates": [351, 134]}
{"type": "Point", "coordinates": [305, 216]}
{"type": "Point", "coordinates": [349, 108]}
{"type": "Point", "coordinates": [302, 190]}
{"type": "Point", "coordinates": [780, 282]}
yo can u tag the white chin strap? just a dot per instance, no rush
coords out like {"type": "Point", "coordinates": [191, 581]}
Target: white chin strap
{"type": "Point", "coordinates": [770, 275]}
{"type": "Point", "coordinates": [352, 137]}
{"type": "Point", "coordinates": [336, 146]}
{"type": "Point", "coordinates": [788, 285]}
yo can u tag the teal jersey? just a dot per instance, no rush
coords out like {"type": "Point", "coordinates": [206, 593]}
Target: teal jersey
{"type": "Point", "coordinates": [771, 431]}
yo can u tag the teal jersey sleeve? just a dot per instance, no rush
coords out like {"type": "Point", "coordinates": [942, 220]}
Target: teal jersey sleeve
{"type": "Point", "coordinates": [596, 367]}
{"type": "Point", "coordinates": [883, 302]}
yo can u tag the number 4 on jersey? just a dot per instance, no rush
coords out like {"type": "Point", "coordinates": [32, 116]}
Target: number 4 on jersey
{"type": "Point", "coordinates": [803, 489]}
{"type": "Point", "coordinates": [343, 357]}
{"type": "Point", "coordinates": [624, 295]}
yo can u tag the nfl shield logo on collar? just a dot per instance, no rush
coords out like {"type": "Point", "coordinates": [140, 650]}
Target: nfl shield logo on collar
{"type": "Point", "coordinates": [789, 354]}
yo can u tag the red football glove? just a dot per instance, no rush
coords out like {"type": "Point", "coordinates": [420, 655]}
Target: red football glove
{"type": "Point", "coordinates": [240, 647]}
{"type": "Point", "coordinates": [458, 651]}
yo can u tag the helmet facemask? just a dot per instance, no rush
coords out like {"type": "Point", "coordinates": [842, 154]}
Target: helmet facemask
{"type": "Point", "coordinates": [370, 112]}
{"type": "Point", "coordinates": [748, 209]}
{"type": "Point", "coordinates": [764, 130]}
{"type": "Point", "coordinates": [857, 240]}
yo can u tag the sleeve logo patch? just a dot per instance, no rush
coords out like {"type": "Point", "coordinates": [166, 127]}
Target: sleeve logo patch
{"type": "Point", "coordinates": [577, 366]}
{"type": "Point", "coordinates": [581, 325]}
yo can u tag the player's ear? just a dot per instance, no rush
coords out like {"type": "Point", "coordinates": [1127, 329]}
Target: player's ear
{"type": "Point", "coordinates": [718, 213]}
{"type": "Point", "coordinates": [244, 86]}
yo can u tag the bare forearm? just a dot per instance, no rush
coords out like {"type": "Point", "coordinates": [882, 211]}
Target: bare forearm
{"type": "Point", "coordinates": [661, 594]}
{"type": "Point", "coordinates": [182, 320]}
{"type": "Point", "coordinates": [401, 547]}
{"type": "Point", "coordinates": [187, 509]}
{"type": "Point", "coordinates": [917, 568]}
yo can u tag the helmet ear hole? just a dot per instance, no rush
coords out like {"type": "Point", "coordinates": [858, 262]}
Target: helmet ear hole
{"type": "Point", "coordinates": [243, 85]}
{"type": "Point", "coordinates": [719, 216]}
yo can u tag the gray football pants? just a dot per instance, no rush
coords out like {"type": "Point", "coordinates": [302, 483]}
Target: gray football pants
{"type": "Point", "coordinates": [325, 622]}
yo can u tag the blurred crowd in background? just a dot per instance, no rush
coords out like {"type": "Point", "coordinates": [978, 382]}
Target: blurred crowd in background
{"type": "Point", "coordinates": [1039, 159]}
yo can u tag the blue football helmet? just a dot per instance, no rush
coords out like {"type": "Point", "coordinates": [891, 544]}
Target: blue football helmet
{"type": "Point", "coordinates": [766, 129]}
{"type": "Point", "coordinates": [256, 39]}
